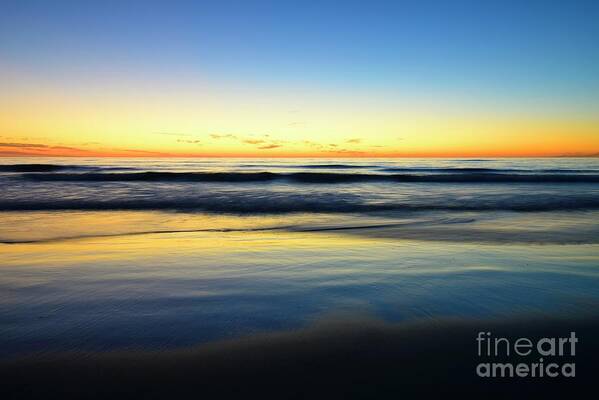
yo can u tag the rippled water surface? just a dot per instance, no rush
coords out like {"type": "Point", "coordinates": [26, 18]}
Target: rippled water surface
{"type": "Point", "coordinates": [120, 253]}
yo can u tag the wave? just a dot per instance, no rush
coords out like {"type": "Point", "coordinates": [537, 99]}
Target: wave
{"type": "Point", "coordinates": [304, 204]}
{"type": "Point", "coordinates": [289, 228]}
{"type": "Point", "coordinates": [33, 168]}
{"type": "Point", "coordinates": [336, 166]}
{"type": "Point", "coordinates": [469, 170]}
{"type": "Point", "coordinates": [57, 167]}
{"type": "Point", "coordinates": [138, 233]}
{"type": "Point", "coordinates": [315, 177]}
{"type": "Point", "coordinates": [309, 166]}
{"type": "Point", "coordinates": [448, 169]}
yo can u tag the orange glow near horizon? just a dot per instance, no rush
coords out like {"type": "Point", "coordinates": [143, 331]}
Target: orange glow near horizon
{"type": "Point", "coordinates": [201, 121]}
{"type": "Point", "coordinates": [40, 125]}
{"type": "Point", "coordinates": [433, 139]}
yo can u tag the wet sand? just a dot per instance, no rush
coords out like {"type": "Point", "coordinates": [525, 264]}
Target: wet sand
{"type": "Point", "coordinates": [340, 358]}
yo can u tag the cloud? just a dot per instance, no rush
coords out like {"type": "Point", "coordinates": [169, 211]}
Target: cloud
{"type": "Point", "coordinates": [312, 144]}
{"type": "Point", "coordinates": [264, 142]}
{"type": "Point", "coordinates": [15, 153]}
{"type": "Point", "coordinates": [253, 141]}
{"type": "Point", "coordinates": [344, 151]}
{"type": "Point", "coordinates": [226, 136]}
{"type": "Point", "coordinates": [37, 146]}
{"type": "Point", "coordinates": [38, 149]}
{"type": "Point", "coordinates": [19, 145]}
{"type": "Point", "coordinates": [355, 140]}
{"type": "Point", "coordinates": [65, 148]}
{"type": "Point", "coordinates": [189, 141]}
{"type": "Point", "coordinates": [156, 153]}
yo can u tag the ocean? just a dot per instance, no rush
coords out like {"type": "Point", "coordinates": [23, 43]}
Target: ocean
{"type": "Point", "coordinates": [110, 254]}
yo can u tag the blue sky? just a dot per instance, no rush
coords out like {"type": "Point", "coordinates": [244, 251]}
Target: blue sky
{"type": "Point", "coordinates": [529, 58]}
{"type": "Point", "coordinates": [485, 47]}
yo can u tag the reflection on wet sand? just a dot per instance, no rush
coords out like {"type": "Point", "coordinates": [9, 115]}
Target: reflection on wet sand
{"type": "Point", "coordinates": [549, 228]}
{"type": "Point", "coordinates": [165, 290]}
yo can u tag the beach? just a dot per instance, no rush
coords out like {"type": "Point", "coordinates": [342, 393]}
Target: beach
{"type": "Point", "coordinates": [170, 260]}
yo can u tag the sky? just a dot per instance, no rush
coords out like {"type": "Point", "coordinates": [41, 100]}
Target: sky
{"type": "Point", "coordinates": [301, 78]}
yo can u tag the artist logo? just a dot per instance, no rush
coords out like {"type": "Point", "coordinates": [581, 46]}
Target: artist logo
{"type": "Point", "coordinates": [548, 355]}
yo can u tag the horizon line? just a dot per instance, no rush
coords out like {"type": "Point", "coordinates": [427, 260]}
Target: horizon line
{"type": "Point", "coordinates": [302, 156]}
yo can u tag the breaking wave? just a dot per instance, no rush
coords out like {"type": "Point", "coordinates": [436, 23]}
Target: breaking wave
{"type": "Point", "coordinates": [296, 204]}
{"type": "Point", "coordinates": [476, 175]}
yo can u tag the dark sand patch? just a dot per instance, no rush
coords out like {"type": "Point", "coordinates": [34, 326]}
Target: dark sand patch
{"type": "Point", "coordinates": [343, 359]}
